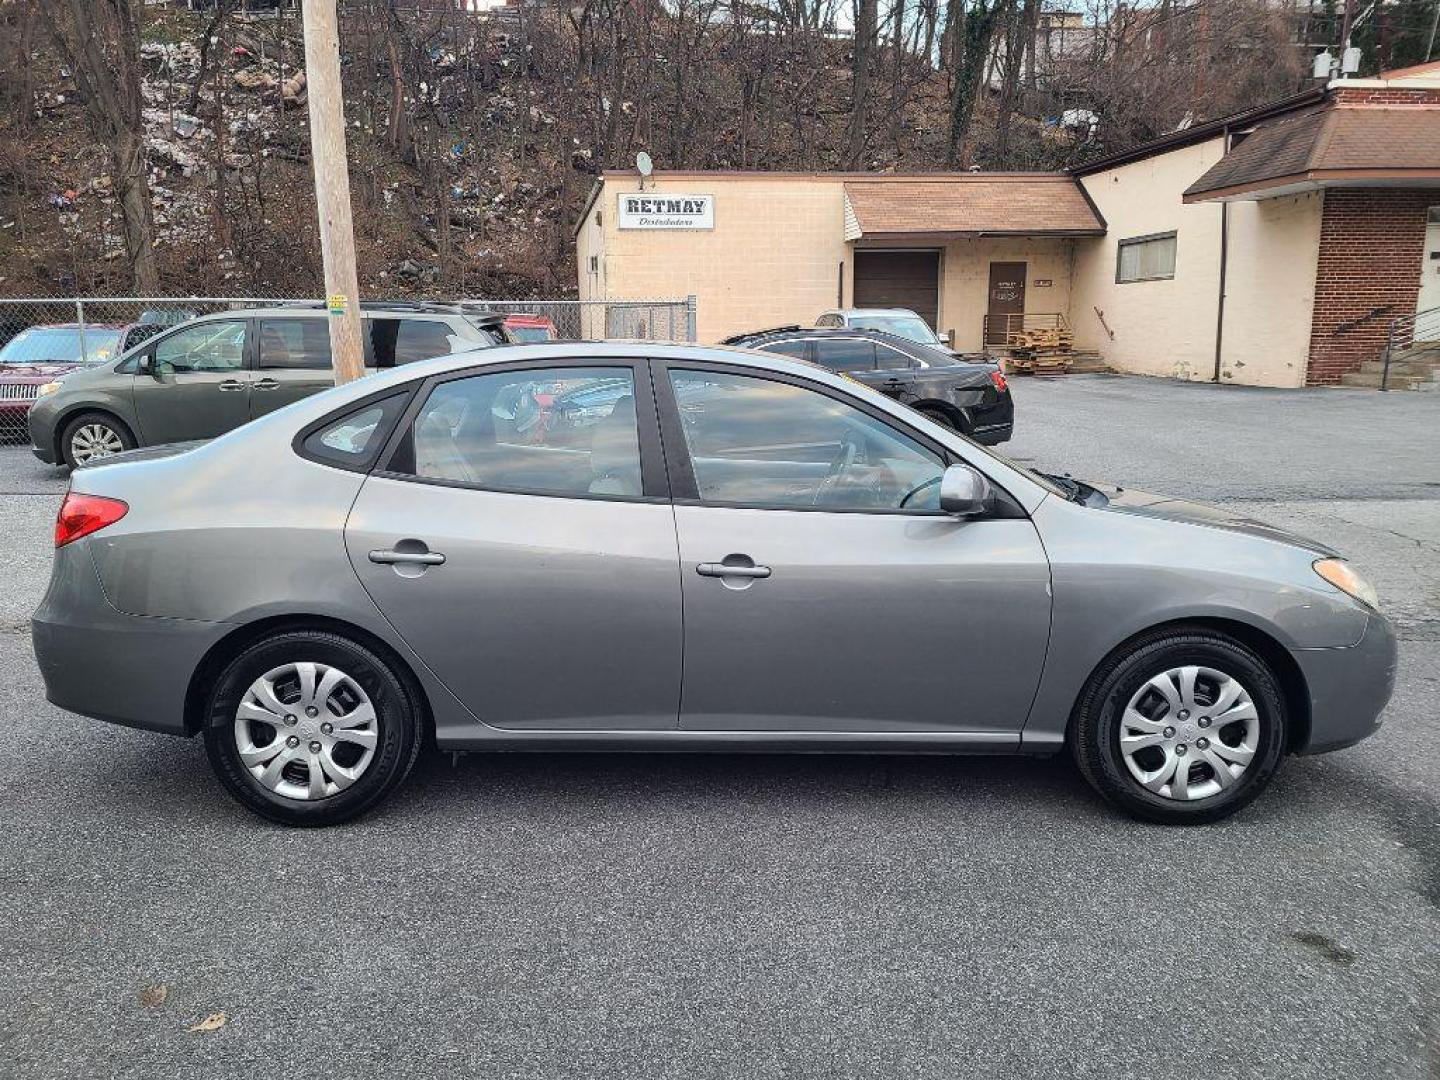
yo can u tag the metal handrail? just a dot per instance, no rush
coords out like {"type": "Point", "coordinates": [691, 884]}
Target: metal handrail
{"type": "Point", "coordinates": [1404, 332]}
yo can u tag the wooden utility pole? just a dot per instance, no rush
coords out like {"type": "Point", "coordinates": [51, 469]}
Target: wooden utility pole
{"type": "Point", "coordinates": [332, 187]}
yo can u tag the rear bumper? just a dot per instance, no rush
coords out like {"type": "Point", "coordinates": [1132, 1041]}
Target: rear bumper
{"type": "Point", "coordinates": [992, 434]}
{"type": "Point", "coordinates": [99, 662]}
{"type": "Point", "coordinates": [1349, 688]}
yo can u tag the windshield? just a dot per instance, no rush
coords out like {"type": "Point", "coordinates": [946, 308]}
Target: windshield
{"type": "Point", "coordinates": [527, 333]}
{"type": "Point", "coordinates": [906, 326]}
{"type": "Point", "coordinates": [60, 345]}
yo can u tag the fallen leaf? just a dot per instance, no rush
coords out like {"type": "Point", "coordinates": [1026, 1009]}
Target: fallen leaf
{"type": "Point", "coordinates": [213, 1022]}
{"type": "Point", "coordinates": [152, 996]}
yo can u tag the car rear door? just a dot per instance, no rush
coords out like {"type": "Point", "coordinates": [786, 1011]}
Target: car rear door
{"type": "Point", "coordinates": [292, 361]}
{"type": "Point", "coordinates": [194, 383]}
{"type": "Point", "coordinates": [530, 560]}
{"type": "Point", "coordinates": [823, 589]}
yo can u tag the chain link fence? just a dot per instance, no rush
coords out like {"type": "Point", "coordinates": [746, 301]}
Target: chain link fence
{"type": "Point", "coordinates": [44, 339]}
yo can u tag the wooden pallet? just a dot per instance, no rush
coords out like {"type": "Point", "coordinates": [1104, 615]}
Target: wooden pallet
{"type": "Point", "coordinates": [1032, 362]}
{"type": "Point", "coordinates": [1051, 339]}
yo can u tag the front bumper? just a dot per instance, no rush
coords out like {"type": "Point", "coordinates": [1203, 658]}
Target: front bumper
{"type": "Point", "coordinates": [97, 661]}
{"type": "Point", "coordinates": [1349, 688]}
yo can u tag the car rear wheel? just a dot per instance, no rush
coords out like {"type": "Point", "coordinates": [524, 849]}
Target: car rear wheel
{"type": "Point", "coordinates": [91, 436]}
{"type": "Point", "coordinates": [1182, 728]}
{"type": "Point", "coordinates": [943, 419]}
{"type": "Point", "coordinates": [310, 728]}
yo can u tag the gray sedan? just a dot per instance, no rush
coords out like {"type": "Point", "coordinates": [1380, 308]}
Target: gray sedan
{"type": "Point", "coordinates": [644, 547]}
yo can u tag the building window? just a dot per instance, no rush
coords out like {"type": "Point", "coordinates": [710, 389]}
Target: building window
{"type": "Point", "coordinates": [594, 264]}
{"type": "Point", "coordinates": [1146, 258]}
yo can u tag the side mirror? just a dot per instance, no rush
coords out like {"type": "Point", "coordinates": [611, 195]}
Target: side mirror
{"type": "Point", "coordinates": [964, 492]}
{"type": "Point", "coordinates": [150, 366]}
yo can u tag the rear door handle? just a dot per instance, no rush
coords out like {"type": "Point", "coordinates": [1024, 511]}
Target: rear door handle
{"type": "Point", "coordinates": [266, 384]}
{"type": "Point", "coordinates": [233, 384]}
{"type": "Point", "coordinates": [716, 569]}
{"type": "Point", "coordinates": [421, 558]}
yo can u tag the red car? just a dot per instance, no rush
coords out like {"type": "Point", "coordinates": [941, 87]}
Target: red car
{"type": "Point", "coordinates": [40, 355]}
{"type": "Point", "coordinates": [525, 327]}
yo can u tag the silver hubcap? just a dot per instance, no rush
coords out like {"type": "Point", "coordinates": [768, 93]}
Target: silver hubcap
{"type": "Point", "coordinates": [1189, 733]}
{"type": "Point", "coordinates": [95, 441]}
{"type": "Point", "coordinates": [306, 731]}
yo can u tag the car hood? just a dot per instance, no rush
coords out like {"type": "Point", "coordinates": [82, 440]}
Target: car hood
{"type": "Point", "coordinates": [1147, 504]}
{"type": "Point", "coordinates": [35, 373]}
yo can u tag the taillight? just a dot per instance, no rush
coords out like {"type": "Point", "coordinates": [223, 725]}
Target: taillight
{"type": "Point", "coordinates": [81, 515]}
{"type": "Point", "coordinates": [998, 378]}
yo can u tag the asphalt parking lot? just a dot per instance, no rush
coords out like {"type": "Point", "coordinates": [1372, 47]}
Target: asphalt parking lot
{"type": "Point", "coordinates": [765, 916]}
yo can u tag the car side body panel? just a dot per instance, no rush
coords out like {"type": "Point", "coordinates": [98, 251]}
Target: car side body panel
{"type": "Point", "coordinates": [1117, 574]}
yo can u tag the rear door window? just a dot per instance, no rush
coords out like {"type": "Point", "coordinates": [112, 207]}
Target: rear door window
{"type": "Point", "coordinates": [845, 354]}
{"type": "Point", "coordinates": [403, 341]}
{"type": "Point", "coordinates": [787, 348]}
{"type": "Point", "coordinates": [294, 344]}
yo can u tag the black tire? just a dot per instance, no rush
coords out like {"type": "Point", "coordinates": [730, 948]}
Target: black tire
{"type": "Point", "coordinates": [1096, 727]}
{"type": "Point", "coordinates": [98, 420]}
{"type": "Point", "coordinates": [942, 418]}
{"type": "Point", "coordinates": [398, 723]}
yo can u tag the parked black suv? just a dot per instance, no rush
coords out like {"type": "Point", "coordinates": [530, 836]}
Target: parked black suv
{"type": "Point", "coordinates": [966, 392]}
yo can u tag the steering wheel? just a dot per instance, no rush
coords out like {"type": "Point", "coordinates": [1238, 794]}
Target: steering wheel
{"type": "Point", "coordinates": [849, 451]}
{"type": "Point", "coordinates": [917, 489]}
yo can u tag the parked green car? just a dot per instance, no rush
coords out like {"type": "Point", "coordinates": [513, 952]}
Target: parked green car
{"type": "Point", "coordinates": [214, 373]}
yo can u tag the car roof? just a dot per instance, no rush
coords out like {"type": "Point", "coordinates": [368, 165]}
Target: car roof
{"type": "Point", "coordinates": [873, 311]}
{"type": "Point", "coordinates": [302, 308]}
{"type": "Point", "coordinates": [76, 326]}
{"type": "Point", "coordinates": [791, 333]}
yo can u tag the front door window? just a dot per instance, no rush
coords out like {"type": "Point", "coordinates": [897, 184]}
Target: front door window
{"type": "Point", "coordinates": [758, 442]}
{"type": "Point", "coordinates": [212, 347]}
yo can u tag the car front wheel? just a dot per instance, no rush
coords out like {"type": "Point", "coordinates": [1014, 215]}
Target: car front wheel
{"type": "Point", "coordinates": [1182, 728]}
{"type": "Point", "coordinates": [310, 728]}
{"type": "Point", "coordinates": [91, 436]}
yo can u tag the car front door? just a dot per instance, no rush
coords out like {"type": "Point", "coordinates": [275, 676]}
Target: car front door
{"type": "Point", "coordinates": [823, 588]}
{"type": "Point", "coordinates": [529, 557]}
{"type": "Point", "coordinates": [292, 361]}
{"type": "Point", "coordinates": [194, 383]}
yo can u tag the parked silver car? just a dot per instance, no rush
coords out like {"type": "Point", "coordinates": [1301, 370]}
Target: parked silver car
{"type": "Point", "coordinates": [216, 372]}
{"type": "Point", "coordinates": [610, 547]}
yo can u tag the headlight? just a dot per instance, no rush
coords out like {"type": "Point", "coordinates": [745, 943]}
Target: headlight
{"type": "Point", "coordinates": [1343, 576]}
{"type": "Point", "coordinates": [48, 388]}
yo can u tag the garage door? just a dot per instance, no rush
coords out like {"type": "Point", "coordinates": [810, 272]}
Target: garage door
{"type": "Point", "coordinates": [905, 279]}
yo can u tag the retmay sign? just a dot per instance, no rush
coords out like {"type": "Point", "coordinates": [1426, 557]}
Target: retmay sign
{"type": "Point", "coordinates": [653, 210]}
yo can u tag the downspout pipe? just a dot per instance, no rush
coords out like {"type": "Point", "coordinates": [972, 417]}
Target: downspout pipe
{"type": "Point", "coordinates": [1224, 261]}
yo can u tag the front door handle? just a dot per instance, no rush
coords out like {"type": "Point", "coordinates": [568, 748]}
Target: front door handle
{"type": "Point", "coordinates": [266, 384]}
{"type": "Point", "coordinates": [738, 570]}
{"type": "Point", "coordinates": [419, 558]}
{"type": "Point", "coordinates": [233, 384]}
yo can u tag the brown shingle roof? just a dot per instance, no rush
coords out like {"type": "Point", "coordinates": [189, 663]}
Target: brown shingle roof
{"type": "Point", "coordinates": [971, 204]}
{"type": "Point", "coordinates": [1333, 141]}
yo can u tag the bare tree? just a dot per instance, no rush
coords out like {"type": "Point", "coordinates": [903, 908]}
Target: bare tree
{"type": "Point", "coordinates": [100, 43]}
{"type": "Point", "coordinates": [974, 28]}
{"type": "Point", "coordinates": [864, 47]}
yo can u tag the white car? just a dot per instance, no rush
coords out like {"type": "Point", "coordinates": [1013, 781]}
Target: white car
{"type": "Point", "coordinates": [902, 322]}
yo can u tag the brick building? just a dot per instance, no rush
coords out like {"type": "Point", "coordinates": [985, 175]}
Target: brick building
{"type": "Point", "coordinates": [1274, 247]}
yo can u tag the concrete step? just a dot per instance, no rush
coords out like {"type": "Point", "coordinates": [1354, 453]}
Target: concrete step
{"type": "Point", "coordinates": [1371, 380]}
{"type": "Point", "coordinates": [1424, 369]}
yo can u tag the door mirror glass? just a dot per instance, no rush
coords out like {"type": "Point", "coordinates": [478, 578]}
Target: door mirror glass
{"type": "Point", "coordinates": [964, 492]}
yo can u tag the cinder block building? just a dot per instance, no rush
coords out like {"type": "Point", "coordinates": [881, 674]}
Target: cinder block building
{"type": "Point", "coordinates": [1281, 246]}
